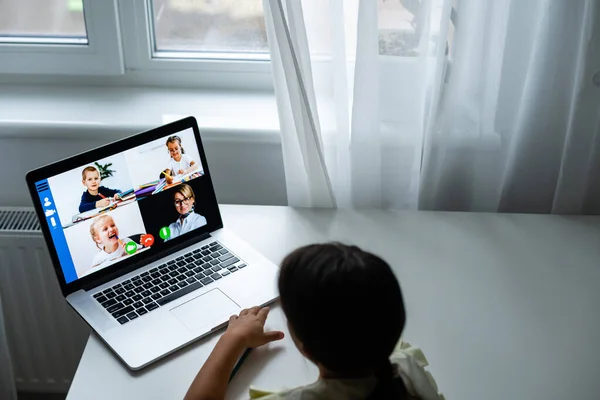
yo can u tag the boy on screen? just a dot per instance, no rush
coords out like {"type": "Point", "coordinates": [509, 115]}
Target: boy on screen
{"type": "Point", "coordinates": [95, 196]}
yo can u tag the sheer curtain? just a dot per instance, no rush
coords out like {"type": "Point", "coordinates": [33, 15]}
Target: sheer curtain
{"type": "Point", "coordinates": [481, 105]}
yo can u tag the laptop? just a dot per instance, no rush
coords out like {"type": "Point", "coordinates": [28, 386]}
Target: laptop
{"type": "Point", "coordinates": [138, 244]}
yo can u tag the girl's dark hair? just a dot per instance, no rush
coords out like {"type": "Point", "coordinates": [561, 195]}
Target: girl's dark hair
{"type": "Point", "coordinates": [345, 306]}
{"type": "Point", "coordinates": [173, 139]}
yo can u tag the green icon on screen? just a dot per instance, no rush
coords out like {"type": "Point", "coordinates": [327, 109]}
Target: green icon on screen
{"type": "Point", "coordinates": [164, 233]}
{"type": "Point", "coordinates": [130, 248]}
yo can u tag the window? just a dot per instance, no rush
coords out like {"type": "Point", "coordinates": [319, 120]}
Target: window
{"type": "Point", "coordinates": [133, 37]}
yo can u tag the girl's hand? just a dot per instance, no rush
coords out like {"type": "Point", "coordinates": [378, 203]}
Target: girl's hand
{"type": "Point", "coordinates": [102, 203]}
{"type": "Point", "coordinates": [180, 172]}
{"type": "Point", "coordinates": [248, 329]}
{"type": "Point", "coordinates": [169, 179]}
{"type": "Point", "coordinates": [116, 197]}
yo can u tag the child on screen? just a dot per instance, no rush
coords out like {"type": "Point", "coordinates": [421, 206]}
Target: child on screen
{"type": "Point", "coordinates": [95, 196]}
{"type": "Point", "coordinates": [180, 163]}
{"type": "Point", "coordinates": [105, 234]}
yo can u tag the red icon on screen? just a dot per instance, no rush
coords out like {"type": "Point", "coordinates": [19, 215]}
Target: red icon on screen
{"type": "Point", "coordinates": [147, 240]}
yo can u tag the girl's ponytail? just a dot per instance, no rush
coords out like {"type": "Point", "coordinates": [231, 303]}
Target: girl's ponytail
{"type": "Point", "coordinates": [390, 386]}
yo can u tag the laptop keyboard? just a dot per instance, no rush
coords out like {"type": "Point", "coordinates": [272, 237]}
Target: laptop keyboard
{"type": "Point", "coordinates": [159, 286]}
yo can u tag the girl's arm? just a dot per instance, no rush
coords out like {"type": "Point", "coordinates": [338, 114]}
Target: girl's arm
{"type": "Point", "coordinates": [193, 166]}
{"type": "Point", "coordinates": [245, 331]}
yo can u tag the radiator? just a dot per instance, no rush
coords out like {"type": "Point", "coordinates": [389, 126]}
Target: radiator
{"type": "Point", "coordinates": [45, 336]}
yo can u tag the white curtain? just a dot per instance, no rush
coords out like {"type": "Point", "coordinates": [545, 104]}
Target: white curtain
{"type": "Point", "coordinates": [479, 105]}
{"type": "Point", "coordinates": [7, 381]}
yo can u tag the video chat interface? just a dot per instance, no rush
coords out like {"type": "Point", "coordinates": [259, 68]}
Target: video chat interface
{"type": "Point", "coordinates": [102, 213]}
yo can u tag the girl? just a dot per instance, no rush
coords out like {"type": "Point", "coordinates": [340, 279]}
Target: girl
{"type": "Point", "coordinates": [180, 163]}
{"type": "Point", "coordinates": [105, 234]}
{"type": "Point", "coordinates": [345, 314]}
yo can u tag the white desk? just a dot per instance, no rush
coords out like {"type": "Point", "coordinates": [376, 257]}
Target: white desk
{"type": "Point", "coordinates": [504, 306]}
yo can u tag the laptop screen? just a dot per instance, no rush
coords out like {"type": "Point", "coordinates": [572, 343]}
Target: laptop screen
{"type": "Point", "coordinates": [115, 208]}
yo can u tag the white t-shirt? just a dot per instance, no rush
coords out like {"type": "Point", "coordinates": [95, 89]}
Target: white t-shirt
{"type": "Point", "coordinates": [184, 163]}
{"type": "Point", "coordinates": [103, 259]}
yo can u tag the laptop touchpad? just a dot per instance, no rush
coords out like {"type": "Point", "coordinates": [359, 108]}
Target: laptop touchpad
{"type": "Point", "coordinates": [206, 311]}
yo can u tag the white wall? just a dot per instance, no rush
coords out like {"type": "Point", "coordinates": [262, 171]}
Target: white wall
{"type": "Point", "coordinates": [244, 171]}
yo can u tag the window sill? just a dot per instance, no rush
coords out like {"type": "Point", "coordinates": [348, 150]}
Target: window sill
{"type": "Point", "coordinates": [28, 111]}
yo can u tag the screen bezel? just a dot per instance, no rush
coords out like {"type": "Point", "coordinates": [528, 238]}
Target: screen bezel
{"type": "Point", "coordinates": [107, 150]}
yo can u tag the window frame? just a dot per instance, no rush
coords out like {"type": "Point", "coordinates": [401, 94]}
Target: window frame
{"type": "Point", "coordinates": [138, 46]}
{"type": "Point", "coordinates": [102, 55]}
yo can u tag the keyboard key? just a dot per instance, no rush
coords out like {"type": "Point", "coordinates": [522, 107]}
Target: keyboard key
{"type": "Point", "coordinates": [139, 289]}
{"type": "Point", "coordinates": [179, 293]}
{"type": "Point", "coordinates": [155, 274]}
{"type": "Point", "coordinates": [215, 261]}
{"type": "Point", "coordinates": [216, 268]}
{"type": "Point", "coordinates": [196, 251]}
{"type": "Point", "coordinates": [206, 258]}
{"type": "Point", "coordinates": [189, 273]}
{"type": "Point", "coordinates": [144, 274]}
{"type": "Point", "coordinates": [181, 270]}
{"type": "Point", "coordinates": [120, 297]}
{"type": "Point", "coordinates": [205, 252]}
{"type": "Point", "coordinates": [189, 260]}
{"type": "Point", "coordinates": [109, 303]}
{"type": "Point", "coordinates": [137, 297]}
{"type": "Point", "coordinates": [182, 284]}
{"type": "Point", "coordinates": [122, 320]}
{"type": "Point", "coordinates": [233, 269]}
{"type": "Point", "coordinates": [173, 288]}
{"type": "Point", "coordinates": [147, 285]}
{"type": "Point", "coordinates": [179, 258]}
{"type": "Point", "coordinates": [165, 292]}
{"type": "Point", "coordinates": [165, 278]}
{"type": "Point", "coordinates": [180, 278]}
{"type": "Point", "coordinates": [114, 307]}
{"type": "Point", "coordinates": [147, 278]}
{"type": "Point", "coordinates": [241, 266]}
{"type": "Point", "coordinates": [153, 270]}
{"type": "Point", "coordinates": [130, 293]}
{"type": "Point", "coordinates": [172, 267]}
{"type": "Point", "coordinates": [137, 304]}
{"type": "Point", "coordinates": [146, 293]}
{"type": "Point", "coordinates": [229, 262]}
{"type": "Point", "coordinates": [216, 276]}
{"type": "Point", "coordinates": [156, 296]}
{"type": "Point", "coordinates": [225, 272]}
{"type": "Point", "coordinates": [132, 315]}
{"type": "Point", "coordinates": [173, 274]}
{"type": "Point", "coordinates": [204, 247]}
{"type": "Point", "coordinates": [152, 306]}
{"type": "Point", "coordinates": [97, 295]}
{"type": "Point", "coordinates": [199, 276]}
{"type": "Point", "coordinates": [163, 285]}
{"type": "Point", "coordinates": [110, 295]}
{"type": "Point", "coordinates": [129, 286]}
{"type": "Point", "coordinates": [164, 272]}
{"type": "Point", "coordinates": [141, 311]}
{"type": "Point", "coordinates": [138, 282]}
{"type": "Point", "coordinates": [119, 290]}
{"type": "Point", "coordinates": [206, 281]}
{"type": "Point", "coordinates": [170, 262]}
{"type": "Point", "coordinates": [181, 263]}
{"type": "Point", "coordinates": [147, 300]}
{"type": "Point", "coordinates": [125, 282]}
{"type": "Point", "coordinates": [155, 289]}
{"type": "Point", "coordinates": [162, 267]}
{"type": "Point", "coordinates": [135, 278]}
{"type": "Point", "coordinates": [217, 247]}
{"type": "Point", "coordinates": [127, 302]}
{"type": "Point", "coordinates": [122, 311]}
{"type": "Point", "coordinates": [197, 269]}
{"type": "Point", "coordinates": [107, 291]}
{"type": "Point", "coordinates": [101, 298]}
{"type": "Point", "coordinates": [190, 280]}
{"type": "Point", "coordinates": [223, 251]}
{"type": "Point", "coordinates": [172, 281]}
{"type": "Point", "coordinates": [198, 257]}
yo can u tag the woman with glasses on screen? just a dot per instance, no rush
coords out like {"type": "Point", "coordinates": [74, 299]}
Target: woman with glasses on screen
{"type": "Point", "coordinates": [184, 201]}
